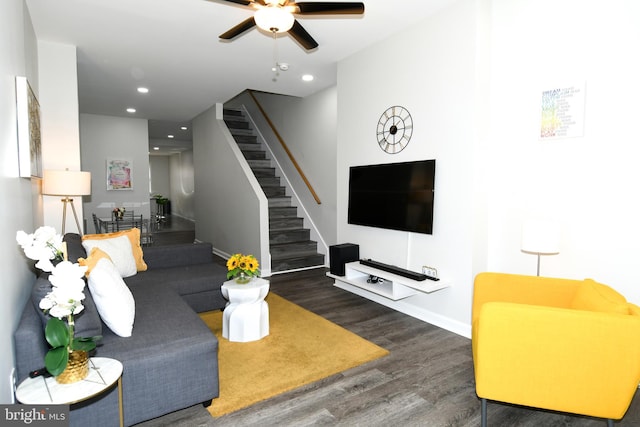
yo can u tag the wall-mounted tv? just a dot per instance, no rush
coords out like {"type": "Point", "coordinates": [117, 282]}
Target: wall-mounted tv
{"type": "Point", "coordinates": [397, 196]}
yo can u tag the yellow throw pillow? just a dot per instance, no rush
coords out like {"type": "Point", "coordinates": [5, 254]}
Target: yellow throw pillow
{"type": "Point", "coordinates": [96, 255]}
{"type": "Point", "coordinates": [133, 235]}
{"type": "Point", "coordinates": [594, 296]}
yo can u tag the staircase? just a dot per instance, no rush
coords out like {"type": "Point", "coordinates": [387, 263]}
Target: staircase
{"type": "Point", "coordinates": [289, 242]}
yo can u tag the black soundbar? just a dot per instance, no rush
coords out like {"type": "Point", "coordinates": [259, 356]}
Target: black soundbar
{"type": "Point", "coordinates": [395, 270]}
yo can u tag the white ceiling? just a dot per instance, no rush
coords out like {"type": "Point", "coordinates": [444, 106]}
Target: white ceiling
{"type": "Point", "coordinates": [172, 48]}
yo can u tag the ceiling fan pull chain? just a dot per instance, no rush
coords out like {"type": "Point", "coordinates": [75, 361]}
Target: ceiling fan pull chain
{"type": "Point", "coordinates": [275, 56]}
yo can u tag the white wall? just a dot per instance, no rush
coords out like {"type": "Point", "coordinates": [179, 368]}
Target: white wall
{"type": "Point", "coordinates": [103, 137]}
{"type": "Point", "coordinates": [586, 183]}
{"type": "Point", "coordinates": [23, 209]}
{"type": "Point", "coordinates": [472, 78]}
{"type": "Point", "coordinates": [431, 72]}
{"type": "Point", "coordinates": [60, 124]}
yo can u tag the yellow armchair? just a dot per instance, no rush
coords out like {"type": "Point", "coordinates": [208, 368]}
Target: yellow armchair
{"type": "Point", "coordinates": [563, 345]}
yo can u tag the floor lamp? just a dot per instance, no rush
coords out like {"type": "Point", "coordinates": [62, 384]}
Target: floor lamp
{"type": "Point", "coordinates": [540, 238]}
{"type": "Point", "coordinates": [67, 183]}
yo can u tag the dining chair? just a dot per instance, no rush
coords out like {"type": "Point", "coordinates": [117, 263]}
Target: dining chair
{"type": "Point", "coordinates": [96, 223]}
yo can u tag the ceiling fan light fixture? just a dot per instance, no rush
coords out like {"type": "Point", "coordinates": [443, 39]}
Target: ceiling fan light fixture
{"type": "Point", "coordinates": [274, 19]}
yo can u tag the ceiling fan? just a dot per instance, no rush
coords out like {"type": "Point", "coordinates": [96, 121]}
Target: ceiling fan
{"type": "Point", "coordinates": [276, 16]}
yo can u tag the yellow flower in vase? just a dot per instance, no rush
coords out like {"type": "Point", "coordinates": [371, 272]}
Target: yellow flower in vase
{"type": "Point", "coordinates": [242, 268]}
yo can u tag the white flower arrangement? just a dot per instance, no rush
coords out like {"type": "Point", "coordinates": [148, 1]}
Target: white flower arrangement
{"type": "Point", "coordinates": [68, 285]}
{"type": "Point", "coordinates": [44, 246]}
{"type": "Point", "coordinates": [65, 299]}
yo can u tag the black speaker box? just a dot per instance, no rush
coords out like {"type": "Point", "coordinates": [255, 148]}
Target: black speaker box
{"type": "Point", "coordinates": [339, 255]}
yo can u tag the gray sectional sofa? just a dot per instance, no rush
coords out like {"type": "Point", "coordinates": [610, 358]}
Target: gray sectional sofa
{"type": "Point", "coordinates": [171, 359]}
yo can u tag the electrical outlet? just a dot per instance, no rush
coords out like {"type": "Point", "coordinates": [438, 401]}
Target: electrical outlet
{"type": "Point", "coordinates": [12, 381]}
{"type": "Point", "coordinates": [430, 271]}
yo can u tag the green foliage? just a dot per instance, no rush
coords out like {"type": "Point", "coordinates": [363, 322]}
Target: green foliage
{"type": "Point", "coordinates": [56, 333]}
{"type": "Point", "coordinates": [58, 336]}
{"type": "Point", "coordinates": [56, 360]}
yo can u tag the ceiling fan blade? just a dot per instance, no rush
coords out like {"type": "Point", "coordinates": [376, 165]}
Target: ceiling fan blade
{"type": "Point", "coordinates": [245, 25]}
{"type": "Point", "coordinates": [328, 8]}
{"type": "Point", "coordinates": [302, 36]}
{"type": "Point", "coordinates": [242, 2]}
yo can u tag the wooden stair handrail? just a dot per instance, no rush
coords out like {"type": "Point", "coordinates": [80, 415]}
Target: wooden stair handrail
{"type": "Point", "coordinates": [286, 149]}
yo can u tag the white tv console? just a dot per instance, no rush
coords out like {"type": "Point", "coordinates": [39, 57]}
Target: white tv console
{"type": "Point", "coordinates": [394, 287]}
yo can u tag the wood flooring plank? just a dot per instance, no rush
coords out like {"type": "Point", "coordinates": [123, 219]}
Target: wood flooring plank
{"type": "Point", "coordinates": [426, 380]}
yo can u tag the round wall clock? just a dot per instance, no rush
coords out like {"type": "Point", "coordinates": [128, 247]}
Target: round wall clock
{"type": "Point", "coordinates": [394, 129]}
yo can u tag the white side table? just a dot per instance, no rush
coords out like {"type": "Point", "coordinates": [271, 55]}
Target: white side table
{"type": "Point", "coordinates": [103, 373]}
{"type": "Point", "coordinates": [246, 317]}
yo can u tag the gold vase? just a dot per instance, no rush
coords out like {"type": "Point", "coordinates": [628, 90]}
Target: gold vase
{"type": "Point", "coordinates": [77, 368]}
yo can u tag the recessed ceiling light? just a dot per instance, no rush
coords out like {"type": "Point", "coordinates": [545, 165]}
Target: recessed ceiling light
{"type": "Point", "coordinates": [156, 148]}
{"type": "Point", "coordinates": [131, 110]}
{"type": "Point", "coordinates": [307, 77]}
{"type": "Point", "coordinates": [169, 136]}
{"type": "Point", "coordinates": [183, 128]}
{"type": "Point", "coordinates": [143, 90]}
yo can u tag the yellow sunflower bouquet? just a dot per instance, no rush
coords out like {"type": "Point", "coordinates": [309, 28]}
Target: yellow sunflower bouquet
{"type": "Point", "coordinates": [242, 268]}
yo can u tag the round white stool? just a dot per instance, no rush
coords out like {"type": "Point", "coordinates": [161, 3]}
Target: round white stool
{"type": "Point", "coordinates": [246, 317]}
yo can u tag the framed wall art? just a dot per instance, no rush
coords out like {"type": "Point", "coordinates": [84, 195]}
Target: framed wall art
{"type": "Point", "coordinates": [119, 174]}
{"type": "Point", "coordinates": [29, 136]}
{"type": "Point", "coordinates": [562, 112]}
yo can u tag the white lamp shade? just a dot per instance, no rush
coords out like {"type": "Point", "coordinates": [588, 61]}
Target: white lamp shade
{"type": "Point", "coordinates": [66, 183]}
{"type": "Point", "coordinates": [541, 237]}
{"type": "Point", "coordinates": [273, 18]}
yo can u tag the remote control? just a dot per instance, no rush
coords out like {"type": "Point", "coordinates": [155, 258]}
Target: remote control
{"type": "Point", "coordinates": [39, 372]}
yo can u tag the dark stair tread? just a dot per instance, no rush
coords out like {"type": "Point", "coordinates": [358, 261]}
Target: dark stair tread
{"type": "Point", "coordinates": [276, 212]}
{"type": "Point", "coordinates": [272, 192]}
{"type": "Point", "coordinates": [291, 223]}
{"type": "Point", "coordinates": [264, 172]}
{"type": "Point", "coordinates": [248, 146]}
{"type": "Point", "coordinates": [254, 155]}
{"type": "Point", "coordinates": [280, 201]}
{"type": "Point", "coordinates": [289, 236]}
{"type": "Point", "coordinates": [246, 139]}
{"type": "Point", "coordinates": [298, 262]}
{"type": "Point", "coordinates": [237, 124]}
{"type": "Point", "coordinates": [290, 249]}
{"type": "Point", "coordinates": [233, 112]}
{"type": "Point", "coordinates": [269, 181]}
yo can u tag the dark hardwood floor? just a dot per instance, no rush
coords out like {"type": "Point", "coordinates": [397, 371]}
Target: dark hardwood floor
{"type": "Point", "coordinates": [426, 380]}
{"type": "Point", "coordinates": [173, 230]}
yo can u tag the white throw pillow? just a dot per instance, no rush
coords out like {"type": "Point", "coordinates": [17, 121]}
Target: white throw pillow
{"type": "Point", "coordinates": [119, 250]}
{"type": "Point", "coordinates": [113, 298]}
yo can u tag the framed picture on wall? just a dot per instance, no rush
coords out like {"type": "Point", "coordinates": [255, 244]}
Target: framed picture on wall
{"type": "Point", "coordinates": [119, 174]}
{"type": "Point", "coordinates": [29, 138]}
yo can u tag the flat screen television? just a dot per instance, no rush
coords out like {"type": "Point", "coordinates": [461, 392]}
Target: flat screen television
{"type": "Point", "coordinates": [396, 196]}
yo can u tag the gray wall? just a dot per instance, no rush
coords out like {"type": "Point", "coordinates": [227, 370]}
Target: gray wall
{"type": "Point", "coordinates": [309, 128]}
{"type": "Point", "coordinates": [159, 172]}
{"type": "Point", "coordinates": [103, 137]}
{"type": "Point", "coordinates": [19, 58]}
{"type": "Point", "coordinates": [181, 181]}
{"type": "Point", "coordinates": [231, 209]}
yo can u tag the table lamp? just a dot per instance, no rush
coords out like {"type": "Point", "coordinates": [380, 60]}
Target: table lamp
{"type": "Point", "coordinates": [67, 183]}
{"type": "Point", "coordinates": [540, 238]}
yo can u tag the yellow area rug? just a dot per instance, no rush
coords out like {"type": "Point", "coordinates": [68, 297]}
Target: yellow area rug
{"type": "Point", "coordinates": [301, 348]}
